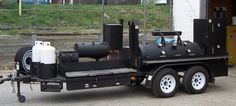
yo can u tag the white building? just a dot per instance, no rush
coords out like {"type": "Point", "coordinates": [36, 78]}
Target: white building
{"type": "Point", "coordinates": [184, 11]}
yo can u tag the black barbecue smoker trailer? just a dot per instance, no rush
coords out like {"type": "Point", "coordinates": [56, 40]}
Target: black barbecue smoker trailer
{"type": "Point", "coordinates": [162, 65]}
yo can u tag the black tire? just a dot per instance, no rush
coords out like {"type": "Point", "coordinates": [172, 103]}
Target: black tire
{"type": "Point", "coordinates": [158, 86]}
{"type": "Point", "coordinates": [24, 57]}
{"type": "Point", "coordinates": [196, 80]}
{"type": "Point", "coordinates": [21, 98]}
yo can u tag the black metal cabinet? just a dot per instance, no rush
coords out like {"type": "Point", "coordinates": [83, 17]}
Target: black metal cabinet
{"type": "Point", "coordinates": [210, 34]}
{"type": "Point", "coordinates": [234, 7]}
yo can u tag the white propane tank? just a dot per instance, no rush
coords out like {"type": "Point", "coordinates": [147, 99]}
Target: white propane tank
{"type": "Point", "coordinates": [48, 54]}
{"type": "Point", "coordinates": [48, 62]}
{"type": "Point", "coordinates": [36, 50]}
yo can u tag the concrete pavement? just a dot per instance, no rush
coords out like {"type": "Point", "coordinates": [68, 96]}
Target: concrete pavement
{"type": "Point", "coordinates": [222, 93]}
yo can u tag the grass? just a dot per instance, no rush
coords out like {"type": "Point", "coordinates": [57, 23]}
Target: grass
{"type": "Point", "coordinates": [79, 18]}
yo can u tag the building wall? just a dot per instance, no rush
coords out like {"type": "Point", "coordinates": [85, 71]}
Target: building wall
{"type": "Point", "coordinates": [184, 11]}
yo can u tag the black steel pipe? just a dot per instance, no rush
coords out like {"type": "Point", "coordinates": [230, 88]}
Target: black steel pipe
{"type": "Point", "coordinates": [134, 43]}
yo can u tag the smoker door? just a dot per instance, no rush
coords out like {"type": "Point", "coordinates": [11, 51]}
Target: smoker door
{"type": "Point", "coordinates": [218, 36]}
{"type": "Point", "coordinates": [210, 34]}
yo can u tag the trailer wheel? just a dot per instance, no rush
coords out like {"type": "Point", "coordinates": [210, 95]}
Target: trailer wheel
{"type": "Point", "coordinates": [24, 57]}
{"type": "Point", "coordinates": [21, 98]}
{"type": "Point", "coordinates": [166, 83]}
{"type": "Point", "coordinates": [195, 80]}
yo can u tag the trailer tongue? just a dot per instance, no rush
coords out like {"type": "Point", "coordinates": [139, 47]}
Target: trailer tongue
{"type": "Point", "coordinates": [115, 65]}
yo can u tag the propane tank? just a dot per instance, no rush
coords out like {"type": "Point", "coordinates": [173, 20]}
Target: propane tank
{"type": "Point", "coordinates": [36, 51]}
{"type": "Point", "coordinates": [48, 54]}
{"type": "Point", "coordinates": [47, 62]}
{"type": "Point", "coordinates": [36, 57]}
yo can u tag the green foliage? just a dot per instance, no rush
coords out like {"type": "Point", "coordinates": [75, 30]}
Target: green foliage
{"type": "Point", "coordinates": [79, 18]}
{"type": "Point", "coordinates": [7, 4]}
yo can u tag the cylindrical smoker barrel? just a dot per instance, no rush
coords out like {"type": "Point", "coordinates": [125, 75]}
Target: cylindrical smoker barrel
{"type": "Point", "coordinates": [94, 49]}
{"type": "Point", "coordinates": [155, 52]}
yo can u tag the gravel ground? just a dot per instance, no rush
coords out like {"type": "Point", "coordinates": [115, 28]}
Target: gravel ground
{"type": "Point", "coordinates": [223, 92]}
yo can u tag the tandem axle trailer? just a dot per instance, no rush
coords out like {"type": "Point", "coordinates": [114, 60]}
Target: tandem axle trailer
{"type": "Point", "coordinates": [162, 65]}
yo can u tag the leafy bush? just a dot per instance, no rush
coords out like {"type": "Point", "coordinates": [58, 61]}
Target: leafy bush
{"type": "Point", "coordinates": [6, 4]}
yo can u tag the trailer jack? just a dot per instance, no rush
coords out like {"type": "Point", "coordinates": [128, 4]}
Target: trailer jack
{"type": "Point", "coordinates": [15, 78]}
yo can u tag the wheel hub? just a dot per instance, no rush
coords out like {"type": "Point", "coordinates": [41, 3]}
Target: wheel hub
{"type": "Point", "coordinates": [27, 58]}
{"type": "Point", "coordinates": [168, 83]}
{"type": "Point", "coordinates": [198, 80]}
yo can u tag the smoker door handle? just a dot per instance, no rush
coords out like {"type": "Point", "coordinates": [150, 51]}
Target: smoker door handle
{"type": "Point", "coordinates": [179, 41]}
{"type": "Point", "coordinates": [173, 33]}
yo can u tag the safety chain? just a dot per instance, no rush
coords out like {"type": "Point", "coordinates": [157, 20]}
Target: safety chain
{"type": "Point", "coordinates": [12, 83]}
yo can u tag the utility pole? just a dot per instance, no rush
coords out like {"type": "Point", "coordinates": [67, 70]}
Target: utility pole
{"type": "Point", "coordinates": [101, 36]}
{"type": "Point", "coordinates": [71, 2]}
{"type": "Point", "coordinates": [145, 23]}
{"type": "Point", "coordinates": [34, 36]}
{"type": "Point", "coordinates": [171, 14]}
{"type": "Point", "coordinates": [63, 2]}
{"type": "Point", "coordinates": [20, 7]}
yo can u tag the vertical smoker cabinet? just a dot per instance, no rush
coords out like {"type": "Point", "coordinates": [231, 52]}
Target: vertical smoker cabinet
{"type": "Point", "coordinates": [210, 34]}
{"type": "Point", "coordinates": [231, 44]}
